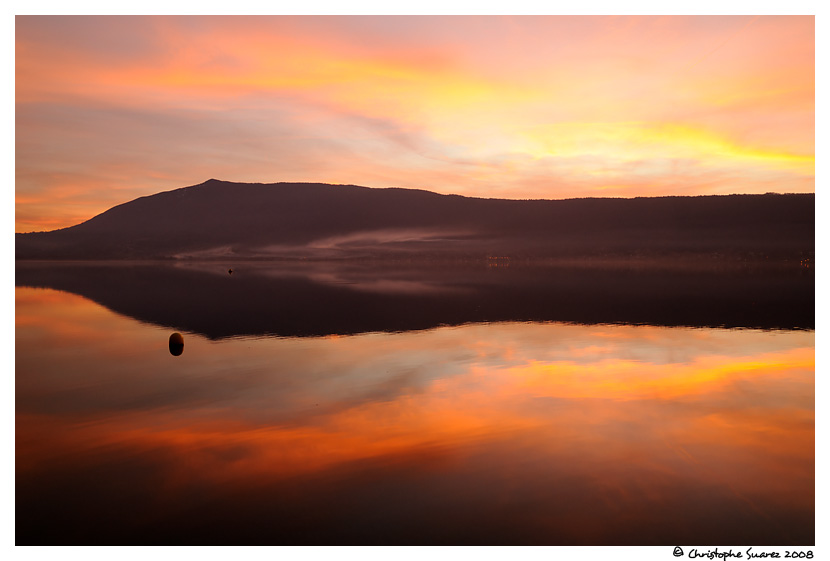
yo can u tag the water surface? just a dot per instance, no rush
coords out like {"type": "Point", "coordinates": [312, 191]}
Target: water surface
{"type": "Point", "coordinates": [496, 432]}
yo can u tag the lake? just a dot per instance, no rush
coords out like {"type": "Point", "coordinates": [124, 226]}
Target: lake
{"type": "Point", "coordinates": [322, 403]}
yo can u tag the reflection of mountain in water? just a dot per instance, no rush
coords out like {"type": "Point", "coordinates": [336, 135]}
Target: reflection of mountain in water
{"type": "Point", "coordinates": [324, 299]}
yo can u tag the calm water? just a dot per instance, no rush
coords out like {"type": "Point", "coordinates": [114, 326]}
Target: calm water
{"type": "Point", "coordinates": [457, 430]}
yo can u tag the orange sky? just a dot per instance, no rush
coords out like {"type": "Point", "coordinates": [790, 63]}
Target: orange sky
{"type": "Point", "coordinates": [112, 108]}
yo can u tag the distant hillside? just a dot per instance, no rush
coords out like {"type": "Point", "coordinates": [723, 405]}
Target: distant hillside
{"type": "Point", "coordinates": [310, 220]}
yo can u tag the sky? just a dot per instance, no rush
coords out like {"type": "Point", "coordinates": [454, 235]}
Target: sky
{"type": "Point", "coordinates": [111, 108]}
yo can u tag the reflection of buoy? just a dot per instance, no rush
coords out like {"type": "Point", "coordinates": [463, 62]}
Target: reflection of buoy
{"type": "Point", "coordinates": [230, 271]}
{"type": "Point", "coordinates": [176, 344]}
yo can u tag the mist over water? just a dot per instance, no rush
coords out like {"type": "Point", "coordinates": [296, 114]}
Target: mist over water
{"type": "Point", "coordinates": [323, 404]}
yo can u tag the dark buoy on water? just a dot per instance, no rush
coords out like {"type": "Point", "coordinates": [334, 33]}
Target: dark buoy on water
{"type": "Point", "coordinates": [176, 344]}
{"type": "Point", "coordinates": [230, 271]}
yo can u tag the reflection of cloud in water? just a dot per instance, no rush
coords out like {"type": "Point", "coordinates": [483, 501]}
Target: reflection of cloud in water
{"type": "Point", "coordinates": [563, 426]}
{"type": "Point", "coordinates": [648, 451]}
{"type": "Point", "coordinates": [338, 372]}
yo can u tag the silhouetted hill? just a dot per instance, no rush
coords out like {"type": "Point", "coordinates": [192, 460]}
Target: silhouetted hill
{"type": "Point", "coordinates": [309, 220]}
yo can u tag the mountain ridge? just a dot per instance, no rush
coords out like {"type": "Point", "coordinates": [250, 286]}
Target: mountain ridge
{"type": "Point", "coordinates": [315, 220]}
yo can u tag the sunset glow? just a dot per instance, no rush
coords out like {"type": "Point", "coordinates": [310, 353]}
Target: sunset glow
{"type": "Point", "coordinates": [112, 108]}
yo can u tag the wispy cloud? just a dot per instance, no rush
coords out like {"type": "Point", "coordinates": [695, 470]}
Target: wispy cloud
{"type": "Point", "coordinates": [521, 107]}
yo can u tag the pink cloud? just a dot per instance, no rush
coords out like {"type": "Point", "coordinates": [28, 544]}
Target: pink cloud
{"type": "Point", "coordinates": [136, 105]}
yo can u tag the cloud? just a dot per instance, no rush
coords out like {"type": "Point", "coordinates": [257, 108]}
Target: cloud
{"type": "Point", "coordinates": [483, 106]}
